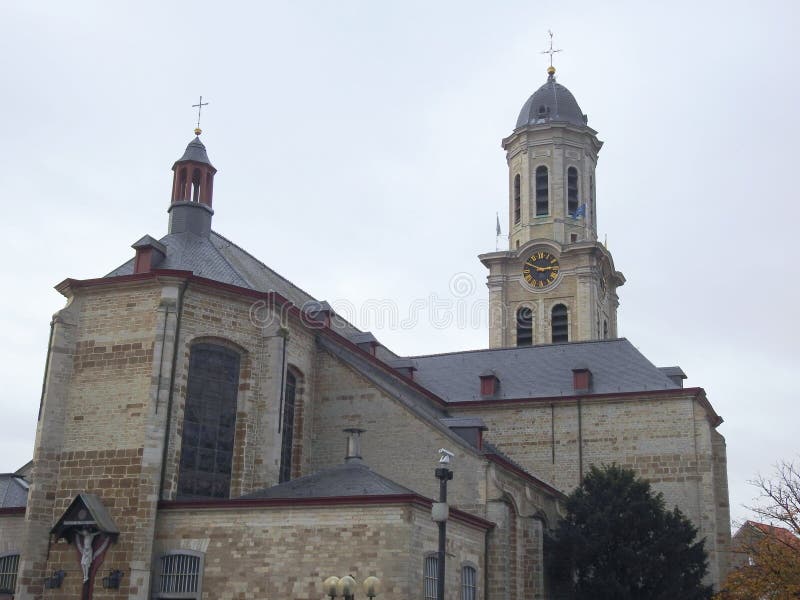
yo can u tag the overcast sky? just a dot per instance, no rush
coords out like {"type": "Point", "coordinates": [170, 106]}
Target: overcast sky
{"type": "Point", "coordinates": [358, 148]}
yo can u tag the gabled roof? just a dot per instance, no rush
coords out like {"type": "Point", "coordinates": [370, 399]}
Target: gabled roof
{"type": "Point", "coordinates": [13, 491]}
{"type": "Point", "coordinates": [781, 534]}
{"type": "Point", "coordinates": [353, 478]}
{"type": "Point", "coordinates": [85, 511]}
{"type": "Point", "coordinates": [540, 371]}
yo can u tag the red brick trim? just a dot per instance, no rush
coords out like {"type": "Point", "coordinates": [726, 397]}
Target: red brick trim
{"type": "Point", "coordinates": [696, 393]}
{"type": "Point", "coordinates": [245, 503]}
{"type": "Point", "coordinates": [12, 510]}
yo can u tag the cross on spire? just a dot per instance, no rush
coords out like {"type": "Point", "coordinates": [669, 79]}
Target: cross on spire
{"type": "Point", "coordinates": [551, 51]}
{"type": "Point", "coordinates": [199, 106]}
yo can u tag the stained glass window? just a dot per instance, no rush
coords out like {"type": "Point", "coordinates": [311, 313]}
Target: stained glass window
{"type": "Point", "coordinates": [209, 423]}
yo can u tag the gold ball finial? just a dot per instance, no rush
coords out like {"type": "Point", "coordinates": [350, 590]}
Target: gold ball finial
{"type": "Point", "coordinates": [551, 70]}
{"type": "Point", "coordinates": [197, 131]}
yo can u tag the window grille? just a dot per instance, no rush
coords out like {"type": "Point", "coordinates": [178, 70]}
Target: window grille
{"type": "Point", "coordinates": [560, 324]}
{"type": "Point", "coordinates": [431, 577]}
{"type": "Point", "coordinates": [180, 576]}
{"type": "Point", "coordinates": [9, 564]}
{"type": "Point", "coordinates": [517, 199]}
{"type": "Point", "coordinates": [468, 581]}
{"type": "Point", "coordinates": [542, 192]}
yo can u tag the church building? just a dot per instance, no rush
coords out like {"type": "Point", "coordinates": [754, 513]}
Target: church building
{"type": "Point", "coordinates": [208, 430]}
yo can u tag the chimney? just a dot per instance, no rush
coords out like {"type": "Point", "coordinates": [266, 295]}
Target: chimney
{"type": "Point", "coordinates": [353, 445]}
{"type": "Point", "coordinates": [149, 254]}
{"type": "Point", "coordinates": [490, 384]}
{"type": "Point", "coordinates": [581, 379]}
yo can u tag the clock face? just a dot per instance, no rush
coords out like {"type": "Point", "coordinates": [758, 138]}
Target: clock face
{"type": "Point", "coordinates": [541, 269]}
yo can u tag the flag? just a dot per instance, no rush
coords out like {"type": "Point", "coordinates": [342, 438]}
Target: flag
{"type": "Point", "coordinates": [498, 223]}
{"type": "Point", "coordinates": [580, 212]}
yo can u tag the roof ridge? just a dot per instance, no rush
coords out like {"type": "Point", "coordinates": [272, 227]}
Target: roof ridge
{"type": "Point", "coordinates": [263, 264]}
{"type": "Point", "coordinates": [510, 348]}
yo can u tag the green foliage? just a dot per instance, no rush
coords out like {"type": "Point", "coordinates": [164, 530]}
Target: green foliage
{"type": "Point", "coordinates": [619, 542]}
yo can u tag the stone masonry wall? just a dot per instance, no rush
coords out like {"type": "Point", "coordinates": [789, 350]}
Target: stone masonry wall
{"type": "Point", "coordinates": [397, 443]}
{"type": "Point", "coordinates": [274, 552]}
{"type": "Point", "coordinates": [665, 439]}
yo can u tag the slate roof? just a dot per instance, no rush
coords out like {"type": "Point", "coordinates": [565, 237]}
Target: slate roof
{"type": "Point", "coordinates": [540, 371]}
{"type": "Point", "coordinates": [353, 478]}
{"type": "Point", "coordinates": [559, 106]}
{"type": "Point", "coordinates": [195, 151]}
{"type": "Point", "coordinates": [13, 491]}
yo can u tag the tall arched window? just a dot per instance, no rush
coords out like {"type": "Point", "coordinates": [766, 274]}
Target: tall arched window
{"type": "Point", "coordinates": [517, 199]}
{"type": "Point", "coordinates": [542, 192]}
{"type": "Point", "coordinates": [605, 329]}
{"type": "Point", "coordinates": [209, 422]}
{"type": "Point", "coordinates": [572, 190]}
{"type": "Point", "coordinates": [524, 326]}
{"type": "Point", "coordinates": [559, 322]}
{"type": "Point", "coordinates": [287, 426]}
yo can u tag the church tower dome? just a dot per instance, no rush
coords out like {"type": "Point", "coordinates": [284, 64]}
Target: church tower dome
{"type": "Point", "coordinates": [551, 103]}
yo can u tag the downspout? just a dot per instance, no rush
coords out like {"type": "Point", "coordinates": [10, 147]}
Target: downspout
{"type": "Point", "coordinates": [580, 443]}
{"type": "Point", "coordinates": [178, 314]}
{"type": "Point", "coordinates": [46, 366]}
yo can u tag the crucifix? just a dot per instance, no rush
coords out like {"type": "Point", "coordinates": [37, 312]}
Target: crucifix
{"type": "Point", "coordinates": [199, 106]}
{"type": "Point", "coordinates": [550, 50]}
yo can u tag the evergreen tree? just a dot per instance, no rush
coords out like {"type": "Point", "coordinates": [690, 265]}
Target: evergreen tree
{"type": "Point", "coordinates": [619, 542]}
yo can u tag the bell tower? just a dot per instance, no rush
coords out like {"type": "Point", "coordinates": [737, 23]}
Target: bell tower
{"type": "Point", "coordinates": [555, 283]}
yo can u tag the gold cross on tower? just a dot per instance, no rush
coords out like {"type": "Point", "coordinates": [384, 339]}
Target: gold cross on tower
{"type": "Point", "coordinates": [551, 69]}
{"type": "Point", "coordinates": [199, 106]}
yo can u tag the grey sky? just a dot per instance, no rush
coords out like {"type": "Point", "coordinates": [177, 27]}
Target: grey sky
{"type": "Point", "coordinates": [358, 148]}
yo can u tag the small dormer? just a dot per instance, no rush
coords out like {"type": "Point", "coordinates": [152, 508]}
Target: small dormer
{"type": "Point", "coordinates": [675, 374]}
{"type": "Point", "coordinates": [469, 429]}
{"type": "Point", "coordinates": [404, 366]}
{"type": "Point", "coordinates": [581, 380]}
{"type": "Point", "coordinates": [149, 254]}
{"type": "Point", "coordinates": [366, 341]}
{"type": "Point", "coordinates": [490, 384]}
{"type": "Point", "coordinates": [319, 312]}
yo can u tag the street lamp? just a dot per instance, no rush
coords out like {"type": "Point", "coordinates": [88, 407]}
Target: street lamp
{"type": "Point", "coordinates": [439, 512]}
{"type": "Point", "coordinates": [346, 587]}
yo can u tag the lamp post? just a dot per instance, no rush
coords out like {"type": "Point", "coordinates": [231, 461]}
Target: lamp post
{"type": "Point", "coordinates": [346, 587]}
{"type": "Point", "coordinates": [439, 512]}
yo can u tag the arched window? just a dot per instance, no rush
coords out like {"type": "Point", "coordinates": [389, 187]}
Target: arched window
{"type": "Point", "coordinates": [196, 179]}
{"type": "Point", "coordinates": [287, 426]}
{"type": "Point", "coordinates": [572, 191]}
{"type": "Point", "coordinates": [180, 575]}
{"type": "Point", "coordinates": [517, 202]}
{"type": "Point", "coordinates": [209, 422]}
{"type": "Point", "coordinates": [469, 581]}
{"type": "Point", "coordinates": [9, 565]}
{"type": "Point", "coordinates": [542, 192]}
{"type": "Point", "coordinates": [524, 326]}
{"type": "Point", "coordinates": [431, 576]}
{"type": "Point", "coordinates": [560, 323]}
{"type": "Point", "coordinates": [605, 329]}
